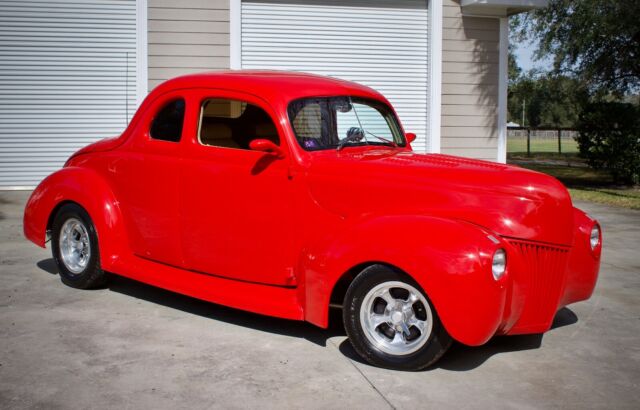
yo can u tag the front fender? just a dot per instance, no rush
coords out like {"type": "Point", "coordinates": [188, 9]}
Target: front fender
{"type": "Point", "coordinates": [450, 259]}
{"type": "Point", "coordinates": [89, 190]}
{"type": "Point", "coordinates": [584, 263]}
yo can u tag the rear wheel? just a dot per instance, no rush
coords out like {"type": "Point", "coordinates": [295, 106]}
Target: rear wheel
{"type": "Point", "coordinates": [74, 245]}
{"type": "Point", "coordinates": [391, 322]}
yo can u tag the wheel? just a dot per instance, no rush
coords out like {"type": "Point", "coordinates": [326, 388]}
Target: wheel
{"type": "Point", "coordinates": [74, 244]}
{"type": "Point", "coordinates": [390, 321]}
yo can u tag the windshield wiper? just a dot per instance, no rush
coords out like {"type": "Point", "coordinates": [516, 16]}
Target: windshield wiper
{"type": "Point", "coordinates": [386, 141]}
{"type": "Point", "coordinates": [358, 138]}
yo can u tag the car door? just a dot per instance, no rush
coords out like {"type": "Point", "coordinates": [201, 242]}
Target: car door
{"type": "Point", "coordinates": [147, 176]}
{"type": "Point", "coordinates": [236, 202]}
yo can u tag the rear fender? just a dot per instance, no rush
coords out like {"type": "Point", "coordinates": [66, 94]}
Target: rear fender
{"type": "Point", "coordinates": [450, 260]}
{"type": "Point", "coordinates": [86, 188]}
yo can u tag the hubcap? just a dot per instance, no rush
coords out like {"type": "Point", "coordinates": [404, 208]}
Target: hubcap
{"type": "Point", "coordinates": [75, 248]}
{"type": "Point", "coordinates": [396, 318]}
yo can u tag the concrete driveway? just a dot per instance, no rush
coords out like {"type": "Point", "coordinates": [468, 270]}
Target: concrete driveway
{"type": "Point", "coordinates": [133, 346]}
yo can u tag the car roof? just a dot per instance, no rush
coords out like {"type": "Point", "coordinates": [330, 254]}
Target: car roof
{"type": "Point", "coordinates": [270, 84]}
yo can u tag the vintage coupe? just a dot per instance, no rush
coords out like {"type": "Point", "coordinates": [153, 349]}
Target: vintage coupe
{"type": "Point", "coordinates": [286, 194]}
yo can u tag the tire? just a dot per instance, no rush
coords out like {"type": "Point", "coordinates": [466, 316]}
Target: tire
{"type": "Point", "coordinates": [74, 245]}
{"type": "Point", "coordinates": [390, 321]}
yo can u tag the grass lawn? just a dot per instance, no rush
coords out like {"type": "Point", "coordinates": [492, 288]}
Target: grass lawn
{"type": "Point", "coordinates": [627, 198]}
{"type": "Point", "coordinates": [541, 145]}
{"type": "Point", "coordinates": [585, 183]}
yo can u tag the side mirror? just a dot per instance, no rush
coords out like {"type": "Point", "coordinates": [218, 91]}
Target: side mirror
{"type": "Point", "coordinates": [410, 136]}
{"type": "Point", "coordinates": [266, 146]}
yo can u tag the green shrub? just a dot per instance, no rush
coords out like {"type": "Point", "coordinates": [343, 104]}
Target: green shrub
{"type": "Point", "coordinates": [609, 138]}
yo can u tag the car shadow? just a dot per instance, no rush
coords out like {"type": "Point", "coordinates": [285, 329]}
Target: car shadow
{"type": "Point", "coordinates": [216, 312]}
{"type": "Point", "coordinates": [458, 358]}
{"type": "Point", "coordinates": [48, 265]}
{"type": "Point", "coordinates": [225, 314]}
{"type": "Point", "coordinates": [464, 358]}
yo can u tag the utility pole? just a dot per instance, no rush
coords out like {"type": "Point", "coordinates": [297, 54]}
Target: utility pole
{"type": "Point", "coordinates": [523, 110]}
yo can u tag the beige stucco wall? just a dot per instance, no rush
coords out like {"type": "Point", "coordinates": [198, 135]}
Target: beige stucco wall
{"type": "Point", "coordinates": [186, 36]}
{"type": "Point", "coordinates": [470, 56]}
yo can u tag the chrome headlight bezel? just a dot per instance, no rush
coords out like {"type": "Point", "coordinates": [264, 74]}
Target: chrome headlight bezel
{"type": "Point", "coordinates": [499, 264]}
{"type": "Point", "coordinates": [594, 237]}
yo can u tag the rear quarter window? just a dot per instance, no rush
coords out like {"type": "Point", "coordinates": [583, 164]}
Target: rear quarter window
{"type": "Point", "coordinates": [168, 121]}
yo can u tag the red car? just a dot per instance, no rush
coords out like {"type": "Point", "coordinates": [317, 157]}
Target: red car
{"type": "Point", "coordinates": [286, 194]}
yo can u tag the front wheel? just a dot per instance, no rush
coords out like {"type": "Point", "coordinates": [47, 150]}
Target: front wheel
{"type": "Point", "coordinates": [391, 322]}
{"type": "Point", "coordinates": [74, 244]}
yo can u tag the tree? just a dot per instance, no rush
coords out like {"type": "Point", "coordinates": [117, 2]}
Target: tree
{"type": "Point", "coordinates": [609, 138]}
{"type": "Point", "coordinates": [596, 41]}
{"type": "Point", "coordinates": [563, 100]}
{"type": "Point", "coordinates": [551, 100]}
{"type": "Point", "coordinates": [522, 89]}
{"type": "Point", "coordinates": [514, 69]}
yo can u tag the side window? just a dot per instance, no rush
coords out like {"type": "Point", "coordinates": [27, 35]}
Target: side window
{"type": "Point", "coordinates": [308, 121]}
{"type": "Point", "coordinates": [234, 124]}
{"type": "Point", "coordinates": [167, 124]}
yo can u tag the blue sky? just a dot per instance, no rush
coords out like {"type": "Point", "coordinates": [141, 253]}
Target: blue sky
{"type": "Point", "coordinates": [524, 56]}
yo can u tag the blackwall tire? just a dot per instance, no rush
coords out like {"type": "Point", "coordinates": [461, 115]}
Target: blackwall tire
{"type": "Point", "coordinates": [74, 245]}
{"type": "Point", "coordinates": [391, 322]}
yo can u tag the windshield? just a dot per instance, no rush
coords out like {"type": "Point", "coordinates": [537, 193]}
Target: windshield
{"type": "Point", "coordinates": [338, 122]}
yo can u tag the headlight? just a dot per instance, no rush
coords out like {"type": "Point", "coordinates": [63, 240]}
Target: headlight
{"type": "Point", "coordinates": [499, 264]}
{"type": "Point", "coordinates": [594, 240]}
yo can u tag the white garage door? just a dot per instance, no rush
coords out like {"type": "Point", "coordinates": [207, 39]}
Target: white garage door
{"type": "Point", "coordinates": [378, 43]}
{"type": "Point", "coordinates": [67, 78]}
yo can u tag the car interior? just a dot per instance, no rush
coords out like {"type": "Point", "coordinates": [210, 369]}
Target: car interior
{"type": "Point", "coordinates": [234, 124]}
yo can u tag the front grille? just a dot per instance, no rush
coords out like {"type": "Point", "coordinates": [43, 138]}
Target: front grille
{"type": "Point", "coordinates": [544, 274]}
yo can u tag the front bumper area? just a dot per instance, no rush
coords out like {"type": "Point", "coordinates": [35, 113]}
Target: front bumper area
{"type": "Point", "coordinates": [545, 278]}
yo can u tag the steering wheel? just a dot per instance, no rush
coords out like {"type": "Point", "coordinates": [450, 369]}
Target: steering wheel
{"type": "Point", "coordinates": [355, 134]}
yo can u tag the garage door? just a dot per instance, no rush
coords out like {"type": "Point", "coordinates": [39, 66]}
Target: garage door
{"type": "Point", "coordinates": [382, 44]}
{"type": "Point", "coordinates": [67, 78]}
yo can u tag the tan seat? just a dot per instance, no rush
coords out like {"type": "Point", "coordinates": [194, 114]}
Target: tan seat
{"type": "Point", "coordinates": [217, 135]}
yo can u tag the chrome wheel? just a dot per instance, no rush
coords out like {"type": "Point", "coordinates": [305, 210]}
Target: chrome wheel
{"type": "Point", "coordinates": [75, 247]}
{"type": "Point", "coordinates": [396, 318]}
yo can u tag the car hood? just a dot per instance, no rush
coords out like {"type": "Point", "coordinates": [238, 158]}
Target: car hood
{"type": "Point", "coordinates": [510, 201]}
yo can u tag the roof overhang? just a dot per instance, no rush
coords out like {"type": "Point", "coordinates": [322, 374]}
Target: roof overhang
{"type": "Point", "coordinates": [500, 8]}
